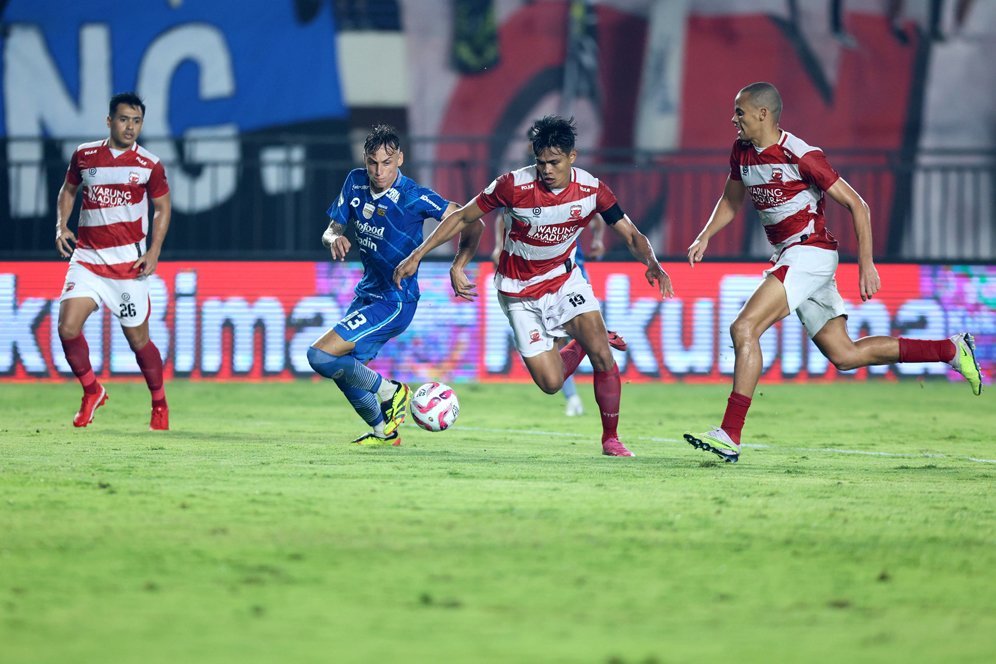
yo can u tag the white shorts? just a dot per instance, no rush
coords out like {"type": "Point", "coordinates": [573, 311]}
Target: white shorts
{"type": "Point", "coordinates": [128, 299]}
{"type": "Point", "coordinates": [538, 322]}
{"type": "Point", "coordinates": [810, 285]}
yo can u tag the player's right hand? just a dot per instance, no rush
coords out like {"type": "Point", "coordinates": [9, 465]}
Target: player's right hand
{"type": "Point", "coordinates": [63, 238]}
{"type": "Point", "coordinates": [339, 246]}
{"type": "Point", "coordinates": [405, 269]}
{"type": "Point", "coordinates": [696, 251]}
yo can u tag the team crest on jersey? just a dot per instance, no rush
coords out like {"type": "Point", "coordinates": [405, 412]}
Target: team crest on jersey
{"type": "Point", "coordinates": [534, 336]}
{"type": "Point", "coordinates": [744, 170]}
{"type": "Point", "coordinates": [368, 210]}
{"type": "Point", "coordinates": [133, 177]}
{"type": "Point", "coordinates": [776, 176]}
{"type": "Point", "coordinates": [575, 212]}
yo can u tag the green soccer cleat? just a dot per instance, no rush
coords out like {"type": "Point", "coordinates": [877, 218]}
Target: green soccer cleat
{"type": "Point", "coordinates": [395, 408]}
{"type": "Point", "coordinates": [716, 441]}
{"type": "Point", "coordinates": [964, 361]}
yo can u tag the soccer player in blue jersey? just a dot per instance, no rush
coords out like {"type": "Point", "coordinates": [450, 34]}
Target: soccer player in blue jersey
{"type": "Point", "coordinates": [386, 211]}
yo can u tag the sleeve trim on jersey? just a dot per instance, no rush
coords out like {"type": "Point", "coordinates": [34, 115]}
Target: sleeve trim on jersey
{"type": "Point", "coordinates": [613, 214]}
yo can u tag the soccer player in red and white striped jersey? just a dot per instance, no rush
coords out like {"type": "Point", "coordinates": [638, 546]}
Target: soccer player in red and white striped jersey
{"type": "Point", "coordinates": [543, 294]}
{"type": "Point", "coordinates": [787, 179]}
{"type": "Point", "coordinates": [110, 263]}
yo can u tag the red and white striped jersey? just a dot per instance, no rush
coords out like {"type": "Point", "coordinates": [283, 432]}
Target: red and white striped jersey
{"type": "Point", "coordinates": [541, 236]}
{"type": "Point", "coordinates": [786, 182]}
{"type": "Point", "coordinates": [114, 218]}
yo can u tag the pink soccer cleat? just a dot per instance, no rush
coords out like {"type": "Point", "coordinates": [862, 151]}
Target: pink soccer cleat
{"type": "Point", "coordinates": [614, 447]}
{"type": "Point", "coordinates": [160, 419]}
{"type": "Point", "coordinates": [616, 341]}
{"type": "Point", "coordinates": [89, 405]}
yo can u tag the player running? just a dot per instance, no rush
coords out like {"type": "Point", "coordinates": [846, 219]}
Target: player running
{"type": "Point", "coordinates": [573, 406]}
{"type": "Point", "coordinates": [110, 263]}
{"type": "Point", "coordinates": [542, 294]}
{"type": "Point", "coordinates": [786, 179]}
{"type": "Point", "coordinates": [386, 211]}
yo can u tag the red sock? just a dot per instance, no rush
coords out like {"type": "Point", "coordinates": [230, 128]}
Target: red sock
{"type": "Point", "coordinates": [736, 412]}
{"type": "Point", "coordinates": [78, 355]}
{"type": "Point", "coordinates": [926, 350]}
{"type": "Point", "coordinates": [607, 390]}
{"type": "Point", "coordinates": [151, 364]}
{"type": "Point", "coordinates": [571, 354]}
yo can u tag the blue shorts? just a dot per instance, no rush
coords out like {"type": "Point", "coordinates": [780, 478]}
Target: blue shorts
{"type": "Point", "coordinates": [372, 323]}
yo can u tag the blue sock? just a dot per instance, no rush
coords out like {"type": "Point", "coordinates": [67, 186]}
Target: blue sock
{"type": "Point", "coordinates": [364, 403]}
{"type": "Point", "coordinates": [344, 370]}
{"type": "Point", "coordinates": [569, 389]}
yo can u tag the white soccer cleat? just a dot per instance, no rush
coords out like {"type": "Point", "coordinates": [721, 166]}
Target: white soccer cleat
{"type": "Point", "coordinates": [574, 406]}
{"type": "Point", "coordinates": [964, 361]}
{"type": "Point", "coordinates": [716, 441]}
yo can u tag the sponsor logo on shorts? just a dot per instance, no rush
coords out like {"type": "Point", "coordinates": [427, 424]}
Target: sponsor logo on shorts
{"type": "Point", "coordinates": [534, 336]}
{"type": "Point", "coordinates": [125, 297]}
{"type": "Point", "coordinates": [70, 285]}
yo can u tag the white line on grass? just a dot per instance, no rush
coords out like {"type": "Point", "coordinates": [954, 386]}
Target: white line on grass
{"type": "Point", "coordinates": [759, 446]}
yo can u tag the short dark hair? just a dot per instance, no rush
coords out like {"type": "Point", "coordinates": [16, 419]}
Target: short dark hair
{"type": "Point", "coordinates": [766, 95]}
{"type": "Point", "coordinates": [553, 131]}
{"type": "Point", "coordinates": [382, 136]}
{"type": "Point", "coordinates": [126, 98]}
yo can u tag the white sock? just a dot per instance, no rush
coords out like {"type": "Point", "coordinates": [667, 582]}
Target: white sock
{"type": "Point", "coordinates": [387, 390]}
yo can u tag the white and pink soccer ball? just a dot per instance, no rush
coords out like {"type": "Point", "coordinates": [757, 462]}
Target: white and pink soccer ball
{"type": "Point", "coordinates": [435, 406]}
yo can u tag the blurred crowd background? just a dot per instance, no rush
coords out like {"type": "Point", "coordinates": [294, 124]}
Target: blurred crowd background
{"type": "Point", "coordinates": [259, 107]}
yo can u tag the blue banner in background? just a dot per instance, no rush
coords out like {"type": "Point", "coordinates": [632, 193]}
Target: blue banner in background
{"type": "Point", "coordinates": [245, 65]}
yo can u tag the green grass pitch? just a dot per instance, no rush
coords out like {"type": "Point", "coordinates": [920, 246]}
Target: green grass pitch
{"type": "Point", "coordinates": [859, 526]}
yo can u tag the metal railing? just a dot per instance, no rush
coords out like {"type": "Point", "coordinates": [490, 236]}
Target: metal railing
{"type": "Point", "coordinates": [249, 197]}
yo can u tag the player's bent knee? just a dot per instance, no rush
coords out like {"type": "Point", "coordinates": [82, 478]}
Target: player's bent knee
{"type": "Point", "coordinates": [846, 362]}
{"type": "Point", "coordinates": [742, 329]}
{"type": "Point", "coordinates": [324, 363]}
{"type": "Point", "coordinates": [67, 332]}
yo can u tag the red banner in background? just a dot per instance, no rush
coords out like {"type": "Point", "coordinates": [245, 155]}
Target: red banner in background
{"type": "Point", "coordinates": [256, 320]}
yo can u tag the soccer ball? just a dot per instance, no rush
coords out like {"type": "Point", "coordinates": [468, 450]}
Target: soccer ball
{"type": "Point", "coordinates": [435, 406]}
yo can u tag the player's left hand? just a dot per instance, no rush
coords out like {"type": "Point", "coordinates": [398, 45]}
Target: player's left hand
{"type": "Point", "coordinates": [146, 265]}
{"type": "Point", "coordinates": [656, 274]}
{"type": "Point", "coordinates": [868, 281]}
{"type": "Point", "coordinates": [405, 269]}
{"type": "Point", "coordinates": [462, 286]}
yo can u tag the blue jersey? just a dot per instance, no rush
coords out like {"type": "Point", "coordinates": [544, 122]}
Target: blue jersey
{"type": "Point", "coordinates": [388, 227]}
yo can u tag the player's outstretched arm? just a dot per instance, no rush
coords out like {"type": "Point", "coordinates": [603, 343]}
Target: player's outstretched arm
{"type": "Point", "coordinates": [146, 265]}
{"type": "Point", "coordinates": [641, 249]}
{"type": "Point", "coordinates": [726, 209]}
{"type": "Point", "coordinates": [335, 240]}
{"type": "Point", "coordinates": [64, 238]}
{"type": "Point", "coordinates": [470, 240]}
{"type": "Point", "coordinates": [868, 279]}
{"type": "Point", "coordinates": [446, 231]}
